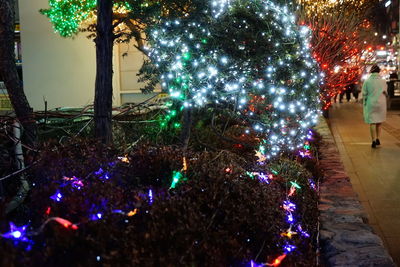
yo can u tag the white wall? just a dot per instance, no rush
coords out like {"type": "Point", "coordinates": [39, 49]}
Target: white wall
{"type": "Point", "coordinates": [128, 63]}
{"type": "Point", "coordinates": [59, 69]}
{"type": "Point", "coordinates": [131, 61]}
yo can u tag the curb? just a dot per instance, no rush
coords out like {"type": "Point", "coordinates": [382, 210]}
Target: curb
{"type": "Point", "coordinates": [345, 237]}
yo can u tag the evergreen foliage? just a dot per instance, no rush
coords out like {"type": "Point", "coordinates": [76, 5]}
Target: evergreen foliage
{"type": "Point", "coordinates": [248, 57]}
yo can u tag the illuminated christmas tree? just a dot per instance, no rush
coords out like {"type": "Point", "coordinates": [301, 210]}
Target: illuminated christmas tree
{"type": "Point", "coordinates": [67, 16]}
{"type": "Point", "coordinates": [246, 57]}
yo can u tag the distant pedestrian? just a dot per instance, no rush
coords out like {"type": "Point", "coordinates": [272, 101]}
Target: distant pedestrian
{"type": "Point", "coordinates": [374, 92]}
{"type": "Point", "coordinates": [393, 75]}
{"type": "Point", "coordinates": [346, 90]}
{"type": "Point", "coordinates": [349, 90]}
{"type": "Point", "coordinates": [341, 94]}
{"type": "Point", "coordinates": [356, 90]}
{"type": "Point", "coordinates": [392, 79]}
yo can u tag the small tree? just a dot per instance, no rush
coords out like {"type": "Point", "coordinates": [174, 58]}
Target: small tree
{"type": "Point", "coordinates": [107, 22]}
{"type": "Point", "coordinates": [67, 17]}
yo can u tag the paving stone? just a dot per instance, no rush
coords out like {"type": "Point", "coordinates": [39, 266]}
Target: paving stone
{"type": "Point", "coordinates": [346, 239]}
{"type": "Point", "coordinates": [362, 257]}
{"type": "Point", "coordinates": [362, 237]}
{"type": "Point", "coordinates": [342, 218]}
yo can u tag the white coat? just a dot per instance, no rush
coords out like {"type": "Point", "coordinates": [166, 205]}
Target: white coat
{"type": "Point", "coordinates": [374, 93]}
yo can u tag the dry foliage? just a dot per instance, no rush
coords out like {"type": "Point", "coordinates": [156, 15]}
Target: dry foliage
{"type": "Point", "coordinates": [215, 217]}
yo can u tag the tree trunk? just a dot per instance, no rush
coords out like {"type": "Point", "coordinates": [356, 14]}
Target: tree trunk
{"type": "Point", "coordinates": [104, 72]}
{"type": "Point", "coordinates": [186, 127]}
{"type": "Point", "coordinates": [9, 74]}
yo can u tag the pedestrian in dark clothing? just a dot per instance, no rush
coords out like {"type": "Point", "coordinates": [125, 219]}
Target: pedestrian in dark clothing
{"type": "Point", "coordinates": [347, 90]}
{"type": "Point", "coordinates": [390, 84]}
{"type": "Point", "coordinates": [355, 90]}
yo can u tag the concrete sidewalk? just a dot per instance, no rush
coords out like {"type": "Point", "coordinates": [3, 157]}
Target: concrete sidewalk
{"type": "Point", "coordinates": [374, 173]}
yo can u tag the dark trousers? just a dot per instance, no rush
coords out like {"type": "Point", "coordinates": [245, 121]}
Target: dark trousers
{"type": "Point", "coordinates": [348, 95]}
{"type": "Point", "coordinates": [390, 88]}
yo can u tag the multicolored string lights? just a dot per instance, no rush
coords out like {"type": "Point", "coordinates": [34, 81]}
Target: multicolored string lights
{"type": "Point", "coordinates": [294, 221]}
{"type": "Point", "coordinates": [294, 229]}
{"type": "Point", "coordinates": [271, 83]}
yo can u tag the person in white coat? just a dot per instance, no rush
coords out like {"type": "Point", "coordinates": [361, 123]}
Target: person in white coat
{"type": "Point", "coordinates": [374, 93]}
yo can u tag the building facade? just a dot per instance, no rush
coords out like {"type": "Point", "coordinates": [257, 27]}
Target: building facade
{"type": "Point", "coordinates": [392, 8]}
{"type": "Point", "coordinates": [61, 71]}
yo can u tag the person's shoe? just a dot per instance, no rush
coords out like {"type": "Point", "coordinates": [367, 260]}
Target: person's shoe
{"type": "Point", "coordinates": [373, 145]}
{"type": "Point", "coordinates": [377, 142]}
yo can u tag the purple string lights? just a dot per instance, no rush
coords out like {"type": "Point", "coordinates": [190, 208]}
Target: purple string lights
{"type": "Point", "coordinates": [16, 233]}
{"type": "Point", "coordinates": [150, 196]}
{"type": "Point", "coordinates": [95, 217]}
{"type": "Point", "coordinates": [75, 182]}
{"type": "Point", "coordinates": [57, 196]}
{"type": "Point", "coordinates": [287, 205]}
{"type": "Point", "coordinates": [19, 233]}
{"type": "Point", "coordinates": [289, 248]}
{"type": "Point", "coordinates": [104, 175]}
{"type": "Point", "coordinates": [262, 177]}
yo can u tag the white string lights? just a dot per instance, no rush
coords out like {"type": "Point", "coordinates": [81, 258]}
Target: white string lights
{"type": "Point", "coordinates": [248, 56]}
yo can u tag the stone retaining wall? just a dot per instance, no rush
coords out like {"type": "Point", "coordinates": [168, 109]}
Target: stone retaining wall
{"type": "Point", "coordinates": [346, 238]}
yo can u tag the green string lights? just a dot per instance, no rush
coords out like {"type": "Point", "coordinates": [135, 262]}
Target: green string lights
{"type": "Point", "coordinates": [67, 15]}
{"type": "Point", "coordinates": [176, 177]}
